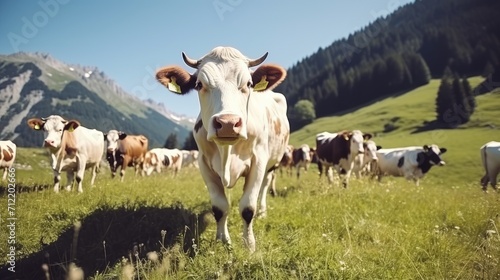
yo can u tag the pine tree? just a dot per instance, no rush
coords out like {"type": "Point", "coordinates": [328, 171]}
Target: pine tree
{"type": "Point", "coordinates": [461, 106]}
{"type": "Point", "coordinates": [445, 100]}
{"type": "Point", "coordinates": [190, 143]}
{"type": "Point", "coordinates": [171, 142]}
{"type": "Point", "coordinates": [471, 98]}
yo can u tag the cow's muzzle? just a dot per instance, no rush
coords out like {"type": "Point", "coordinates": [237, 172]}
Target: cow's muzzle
{"type": "Point", "coordinates": [228, 126]}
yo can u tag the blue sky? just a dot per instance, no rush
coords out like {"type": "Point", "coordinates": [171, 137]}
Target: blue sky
{"type": "Point", "coordinates": [129, 40]}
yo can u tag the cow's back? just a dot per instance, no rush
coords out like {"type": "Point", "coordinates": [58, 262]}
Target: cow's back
{"type": "Point", "coordinates": [135, 146]}
{"type": "Point", "coordinates": [279, 127]}
{"type": "Point", "coordinates": [89, 142]}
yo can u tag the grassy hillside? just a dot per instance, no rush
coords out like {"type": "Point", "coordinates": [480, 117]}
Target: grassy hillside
{"type": "Point", "coordinates": [445, 229]}
{"type": "Point", "coordinates": [409, 112]}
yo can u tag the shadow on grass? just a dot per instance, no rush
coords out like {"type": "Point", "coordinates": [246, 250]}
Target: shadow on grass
{"type": "Point", "coordinates": [107, 236]}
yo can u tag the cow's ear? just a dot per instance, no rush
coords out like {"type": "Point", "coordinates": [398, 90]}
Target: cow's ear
{"type": "Point", "coordinates": [36, 123]}
{"type": "Point", "coordinates": [379, 147]}
{"type": "Point", "coordinates": [426, 148]}
{"type": "Point", "coordinates": [71, 125]}
{"type": "Point", "coordinates": [176, 79]}
{"type": "Point", "coordinates": [443, 150]}
{"type": "Point", "coordinates": [367, 136]}
{"type": "Point", "coordinates": [268, 77]}
{"type": "Point", "coordinates": [122, 135]}
{"type": "Point", "coordinates": [346, 135]}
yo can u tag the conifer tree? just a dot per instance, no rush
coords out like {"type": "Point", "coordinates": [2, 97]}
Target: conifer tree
{"type": "Point", "coordinates": [445, 98]}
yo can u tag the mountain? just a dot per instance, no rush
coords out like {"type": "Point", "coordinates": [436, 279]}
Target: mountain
{"type": "Point", "coordinates": [397, 53]}
{"type": "Point", "coordinates": [38, 85]}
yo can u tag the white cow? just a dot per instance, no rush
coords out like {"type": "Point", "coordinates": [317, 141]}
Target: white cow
{"type": "Point", "coordinates": [241, 131]}
{"type": "Point", "coordinates": [7, 156]}
{"type": "Point", "coordinates": [190, 158]}
{"type": "Point", "coordinates": [363, 162]}
{"type": "Point", "coordinates": [490, 158]}
{"type": "Point", "coordinates": [162, 158]}
{"type": "Point", "coordinates": [409, 162]}
{"type": "Point", "coordinates": [73, 148]}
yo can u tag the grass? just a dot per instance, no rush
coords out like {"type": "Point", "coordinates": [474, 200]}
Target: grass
{"type": "Point", "coordinates": [445, 229]}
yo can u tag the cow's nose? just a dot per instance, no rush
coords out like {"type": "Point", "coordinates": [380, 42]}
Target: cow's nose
{"type": "Point", "coordinates": [110, 150]}
{"type": "Point", "coordinates": [374, 159]}
{"type": "Point", "coordinates": [49, 142]}
{"type": "Point", "coordinates": [227, 125]}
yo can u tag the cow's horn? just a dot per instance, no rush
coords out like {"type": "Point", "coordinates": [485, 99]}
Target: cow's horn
{"type": "Point", "coordinates": [190, 62]}
{"type": "Point", "coordinates": [257, 61]}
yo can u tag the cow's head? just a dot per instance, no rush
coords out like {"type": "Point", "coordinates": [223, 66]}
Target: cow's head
{"type": "Point", "coordinates": [356, 140]}
{"type": "Point", "coordinates": [371, 150]}
{"type": "Point", "coordinates": [53, 127]}
{"type": "Point", "coordinates": [112, 138]}
{"type": "Point", "coordinates": [433, 154]}
{"type": "Point", "coordinates": [224, 83]}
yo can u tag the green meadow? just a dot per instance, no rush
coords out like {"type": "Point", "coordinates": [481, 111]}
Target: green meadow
{"type": "Point", "coordinates": [161, 227]}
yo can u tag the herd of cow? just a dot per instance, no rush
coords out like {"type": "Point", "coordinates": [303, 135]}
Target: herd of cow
{"type": "Point", "coordinates": [74, 148]}
{"type": "Point", "coordinates": [242, 131]}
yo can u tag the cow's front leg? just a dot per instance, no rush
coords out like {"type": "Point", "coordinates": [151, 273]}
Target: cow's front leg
{"type": "Point", "coordinates": [70, 176]}
{"type": "Point", "coordinates": [57, 180]}
{"type": "Point", "coordinates": [126, 161]}
{"type": "Point", "coordinates": [94, 174]}
{"type": "Point", "coordinates": [248, 202]}
{"type": "Point", "coordinates": [80, 172]}
{"type": "Point", "coordinates": [220, 204]}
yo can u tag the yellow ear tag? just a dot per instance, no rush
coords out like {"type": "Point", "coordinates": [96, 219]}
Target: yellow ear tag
{"type": "Point", "coordinates": [71, 129]}
{"type": "Point", "coordinates": [262, 85]}
{"type": "Point", "coordinates": [173, 86]}
{"type": "Point", "coordinates": [37, 127]}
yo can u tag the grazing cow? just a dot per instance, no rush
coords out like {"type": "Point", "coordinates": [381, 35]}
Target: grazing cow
{"type": "Point", "coordinates": [338, 150]}
{"type": "Point", "coordinates": [159, 158]}
{"type": "Point", "coordinates": [409, 162]}
{"type": "Point", "coordinates": [490, 157]}
{"type": "Point", "coordinates": [302, 158]}
{"type": "Point", "coordinates": [7, 156]}
{"type": "Point", "coordinates": [286, 162]}
{"type": "Point", "coordinates": [124, 150]}
{"type": "Point", "coordinates": [363, 163]}
{"type": "Point", "coordinates": [190, 158]}
{"type": "Point", "coordinates": [241, 131]}
{"type": "Point", "coordinates": [72, 148]}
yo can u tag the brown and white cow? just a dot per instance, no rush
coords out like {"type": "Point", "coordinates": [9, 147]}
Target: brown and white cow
{"type": "Point", "coordinates": [302, 158]}
{"type": "Point", "coordinates": [73, 148]}
{"type": "Point", "coordinates": [162, 158]}
{"type": "Point", "coordinates": [338, 150]}
{"type": "Point", "coordinates": [190, 158]}
{"type": "Point", "coordinates": [124, 150]}
{"type": "Point", "coordinates": [7, 156]}
{"type": "Point", "coordinates": [286, 161]}
{"type": "Point", "coordinates": [241, 131]}
{"type": "Point", "coordinates": [490, 158]}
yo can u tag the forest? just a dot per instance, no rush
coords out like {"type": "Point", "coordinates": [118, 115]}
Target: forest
{"type": "Point", "coordinates": [397, 53]}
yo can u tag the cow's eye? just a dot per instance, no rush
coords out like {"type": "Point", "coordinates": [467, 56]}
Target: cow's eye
{"type": "Point", "coordinates": [198, 86]}
{"type": "Point", "coordinates": [249, 84]}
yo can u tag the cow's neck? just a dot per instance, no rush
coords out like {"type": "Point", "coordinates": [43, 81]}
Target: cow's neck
{"type": "Point", "coordinates": [423, 162]}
